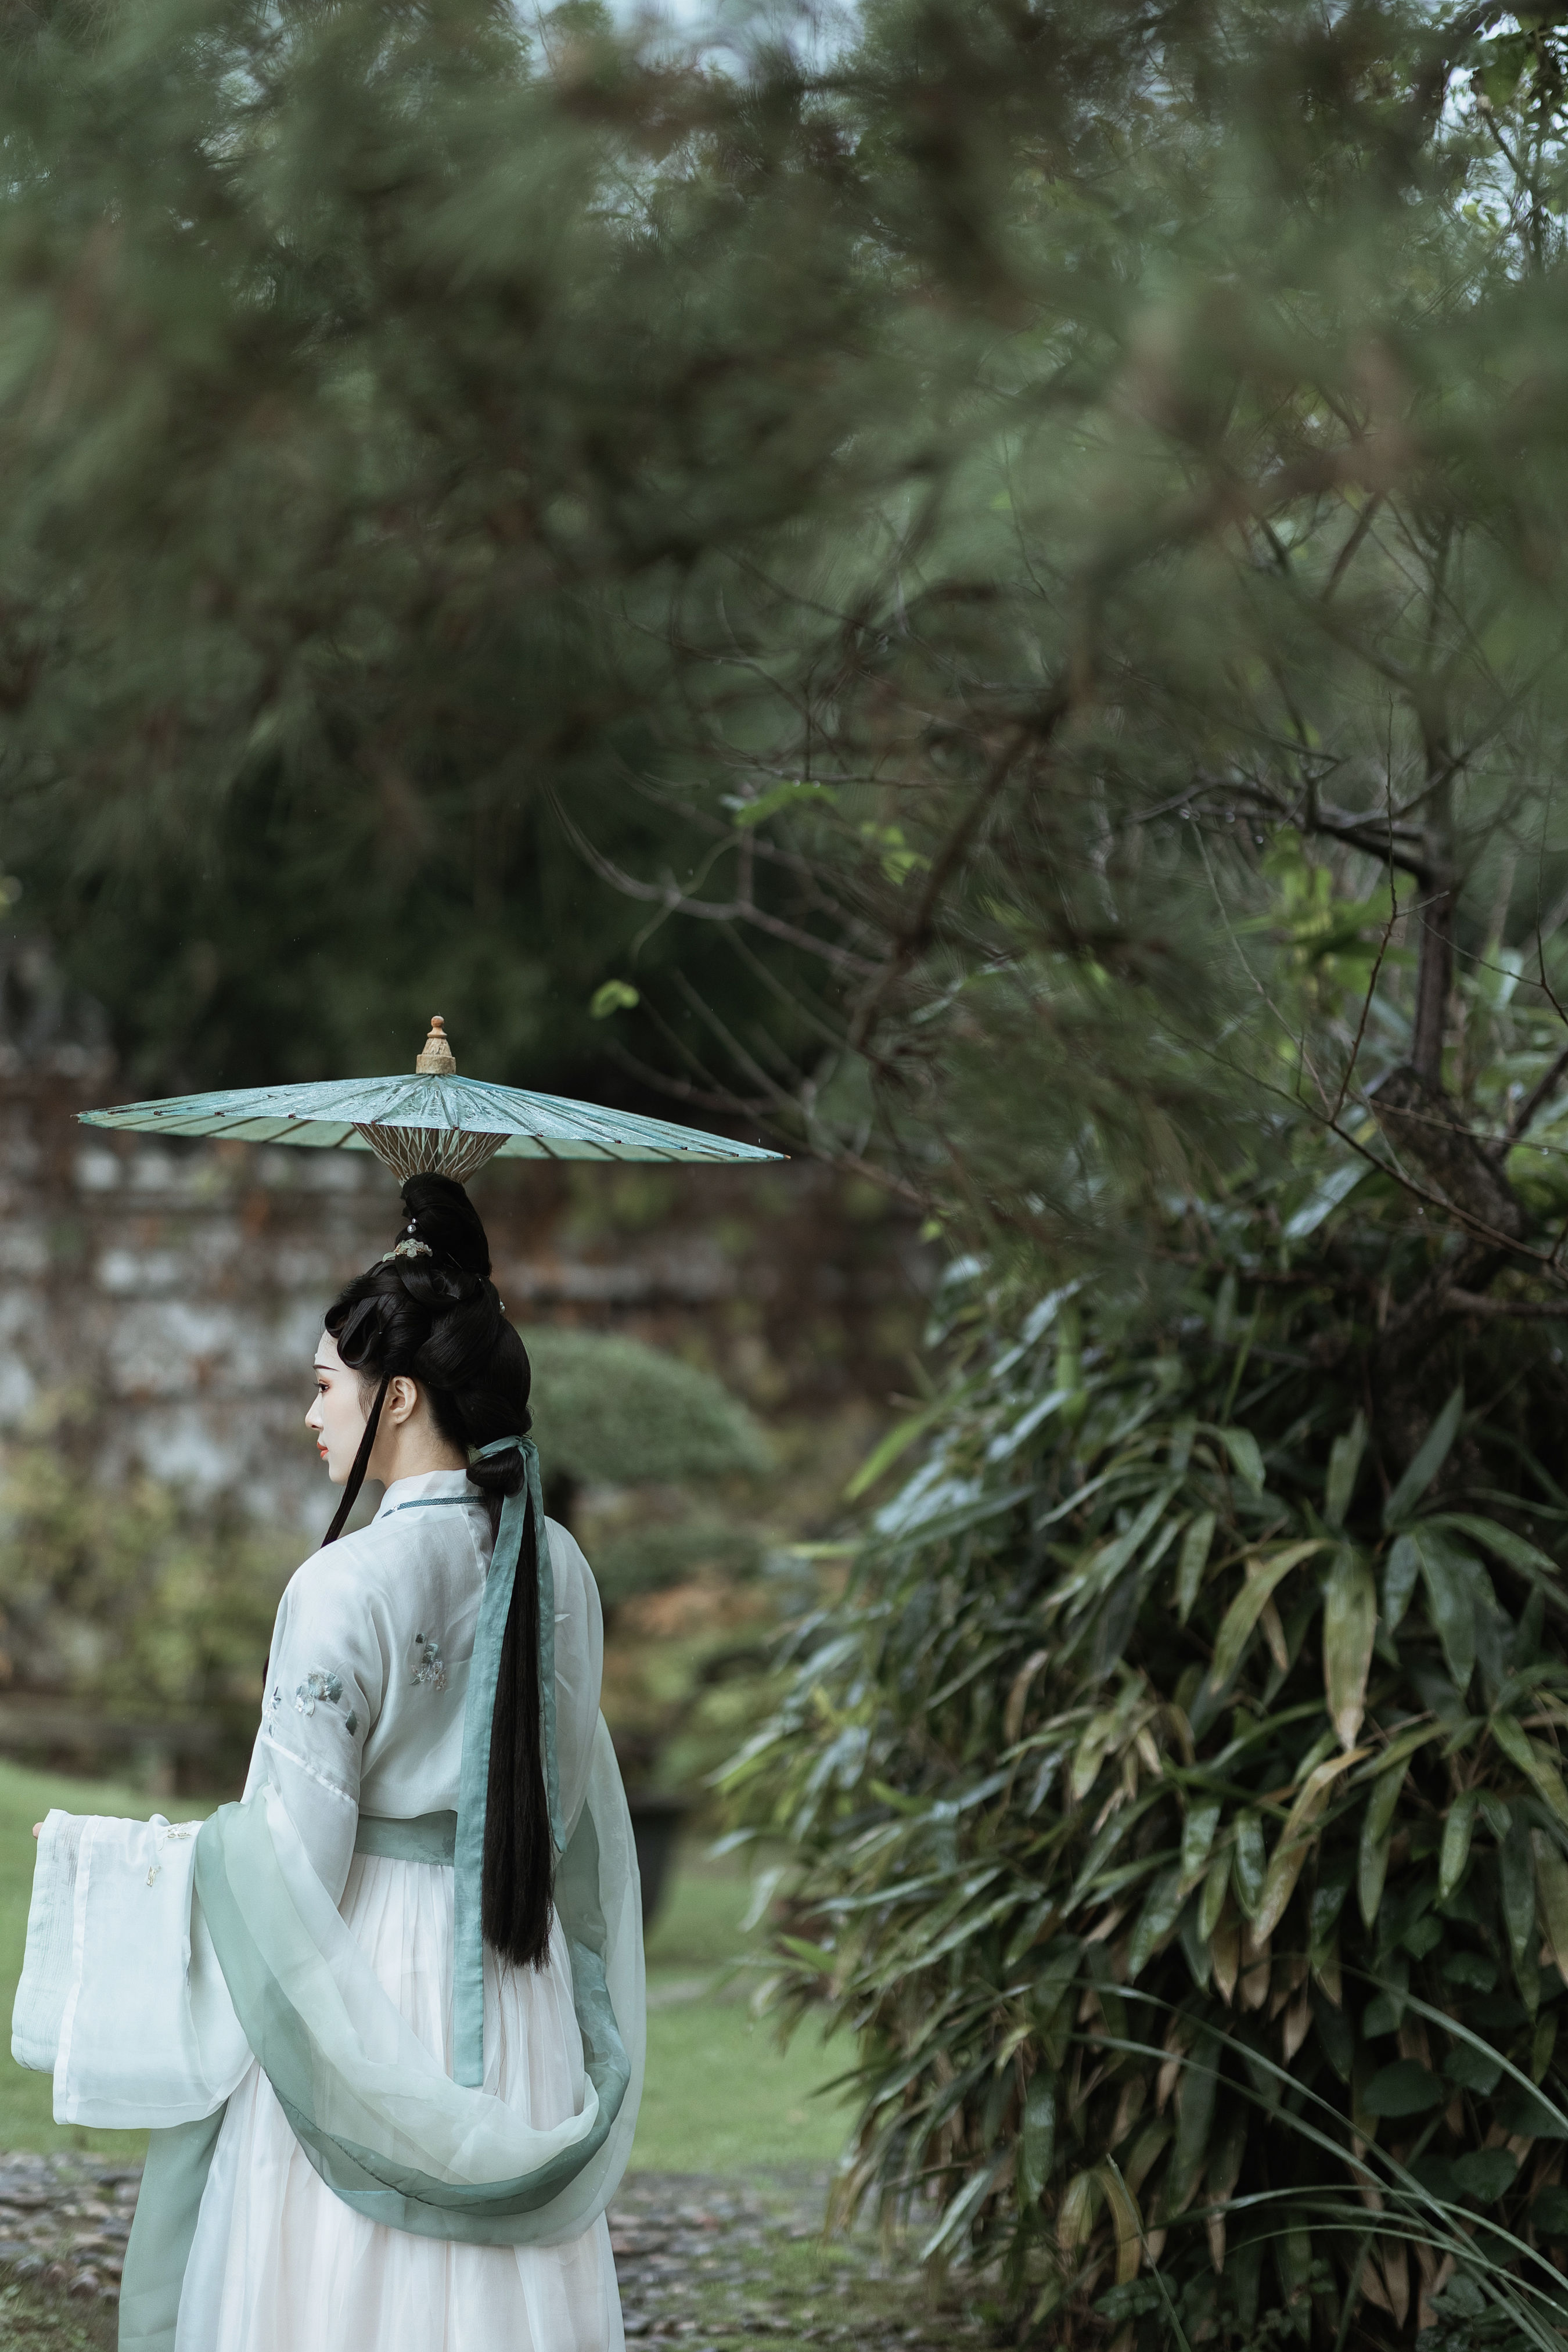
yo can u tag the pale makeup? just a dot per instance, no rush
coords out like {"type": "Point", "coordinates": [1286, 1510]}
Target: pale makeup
{"type": "Point", "coordinates": [408, 1442]}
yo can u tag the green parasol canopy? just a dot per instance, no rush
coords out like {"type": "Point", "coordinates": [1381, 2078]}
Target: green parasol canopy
{"type": "Point", "coordinates": [432, 1123]}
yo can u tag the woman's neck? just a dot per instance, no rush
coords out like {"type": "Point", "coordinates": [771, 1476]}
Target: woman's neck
{"type": "Point", "coordinates": [411, 1449]}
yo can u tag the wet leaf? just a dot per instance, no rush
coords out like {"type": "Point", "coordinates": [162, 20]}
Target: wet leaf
{"type": "Point", "coordinates": [1127, 2220]}
{"type": "Point", "coordinates": [1243, 1449]}
{"type": "Point", "coordinates": [1195, 2087]}
{"type": "Point", "coordinates": [1334, 1876]}
{"type": "Point", "coordinates": [1399, 1580]}
{"type": "Point", "coordinates": [1241, 1618]}
{"type": "Point", "coordinates": [1472, 2069]}
{"type": "Point", "coordinates": [1531, 1760]}
{"type": "Point", "coordinates": [1430, 1456]}
{"type": "Point", "coordinates": [1216, 1885]}
{"type": "Point", "coordinates": [1513, 1550]}
{"type": "Point", "coordinates": [1075, 2214]}
{"type": "Point", "coordinates": [1194, 1559]}
{"type": "Point", "coordinates": [1037, 2144]}
{"type": "Point", "coordinates": [1248, 1865]}
{"type": "Point", "coordinates": [1344, 1463]}
{"type": "Point", "coordinates": [1197, 1835]}
{"type": "Point", "coordinates": [1456, 1853]}
{"type": "Point", "coordinates": [1155, 1921]}
{"type": "Point", "coordinates": [1225, 1953]}
{"type": "Point", "coordinates": [1517, 1866]}
{"type": "Point", "coordinates": [1448, 1575]}
{"type": "Point", "coordinates": [1295, 1843]}
{"type": "Point", "coordinates": [1406, 2088]}
{"type": "Point", "coordinates": [1371, 1870]}
{"type": "Point", "coordinates": [1350, 1625]}
{"type": "Point", "coordinates": [1488, 2174]}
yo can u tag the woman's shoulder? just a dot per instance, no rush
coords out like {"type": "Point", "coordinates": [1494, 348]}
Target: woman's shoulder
{"type": "Point", "coordinates": [373, 1561]}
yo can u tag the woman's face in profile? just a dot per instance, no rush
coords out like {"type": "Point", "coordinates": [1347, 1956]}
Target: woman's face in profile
{"type": "Point", "coordinates": [336, 1419]}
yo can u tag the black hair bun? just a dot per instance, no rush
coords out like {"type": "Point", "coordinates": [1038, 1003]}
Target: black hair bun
{"type": "Point", "coordinates": [444, 1218]}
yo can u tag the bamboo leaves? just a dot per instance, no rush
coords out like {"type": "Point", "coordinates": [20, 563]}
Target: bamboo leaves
{"type": "Point", "coordinates": [1377, 1834]}
{"type": "Point", "coordinates": [1429, 1458]}
{"type": "Point", "coordinates": [1155, 1922]}
{"type": "Point", "coordinates": [1344, 1465]}
{"type": "Point", "coordinates": [1350, 1626]}
{"type": "Point", "coordinates": [1197, 1836]}
{"type": "Point", "coordinates": [1295, 1840]}
{"type": "Point", "coordinates": [1245, 1454]}
{"type": "Point", "coordinates": [1046, 1858]}
{"type": "Point", "coordinates": [1241, 1618]}
{"type": "Point", "coordinates": [1533, 1761]}
{"type": "Point", "coordinates": [1038, 2138]}
{"type": "Point", "coordinates": [1399, 1579]}
{"type": "Point", "coordinates": [1456, 1848]}
{"type": "Point", "coordinates": [1248, 1867]}
{"type": "Point", "coordinates": [1517, 1871]}
{"type": "Point", "coordinates": [1196, 1544]}
{"type": "Point", "coordinates": [1449, 1575]}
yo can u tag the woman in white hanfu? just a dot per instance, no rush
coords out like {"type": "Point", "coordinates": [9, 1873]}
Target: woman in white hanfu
{"type": "Point", "coordinates": [384, 2017]}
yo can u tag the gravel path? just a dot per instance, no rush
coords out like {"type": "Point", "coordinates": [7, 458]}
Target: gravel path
{"type": "Point", "coordinates": [703, 2265]}
{"type": "Point", "coordinates": [64, 2221]}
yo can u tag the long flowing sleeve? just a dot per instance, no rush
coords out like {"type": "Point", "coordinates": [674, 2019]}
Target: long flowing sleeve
{"type": "Point", "coordinates": [325, 1678]}
{"type": "Point", "coordinates": [163, 1957]}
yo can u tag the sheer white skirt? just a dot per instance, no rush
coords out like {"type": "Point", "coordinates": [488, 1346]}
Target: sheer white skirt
{"type": "Point", "coordinates": [279, 2265]}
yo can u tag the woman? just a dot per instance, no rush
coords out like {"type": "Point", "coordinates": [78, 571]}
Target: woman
{"type": "Point", "coordinates": [385, 2013]}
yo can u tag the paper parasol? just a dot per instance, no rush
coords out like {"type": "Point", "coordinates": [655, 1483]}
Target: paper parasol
{"type": "Point", "coordinates": [434, 1122]}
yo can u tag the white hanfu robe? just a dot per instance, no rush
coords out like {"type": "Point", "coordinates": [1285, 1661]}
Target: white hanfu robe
{"type": "Point", "coordinates": [363, 1715]}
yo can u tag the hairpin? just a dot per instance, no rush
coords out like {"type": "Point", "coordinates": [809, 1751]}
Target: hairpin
{"type": "Point", "coordinates": [409, 1249]}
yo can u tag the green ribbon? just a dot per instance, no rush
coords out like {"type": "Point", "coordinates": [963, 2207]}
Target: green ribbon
{"type": "Point", "coordinates": [474, 1775]}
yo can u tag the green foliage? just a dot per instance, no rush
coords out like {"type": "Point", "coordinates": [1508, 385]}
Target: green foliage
{"type": "Point", "coordinates": [131, 1599]}
{"type": "Point", "coordinates": [1177, 1794]}
{"type": "Point", "coordinates": [926, 518]}
{"type": "Point", "coordinates": [397, 362]}
{"type": "Point", "coordinates": [615, 1413]}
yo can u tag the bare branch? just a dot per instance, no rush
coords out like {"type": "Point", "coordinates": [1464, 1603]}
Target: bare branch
{"type": "Point", "coordinates": [917, 935]}
{"type": "Point", "coordinates": [1512, 1311]}
{"type": "Point", "coordinates": [1366, 1007]}
{"type": "Point", "coordinates": [674, 901]}
{"type": "Point", "coordinates": [1352, 547]}
{"type": "Point", "coordinates": [1546, 1085]}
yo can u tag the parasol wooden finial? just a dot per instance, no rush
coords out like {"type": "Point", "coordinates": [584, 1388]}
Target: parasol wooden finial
{"type": "Point", "coordinates": [438, 1060]}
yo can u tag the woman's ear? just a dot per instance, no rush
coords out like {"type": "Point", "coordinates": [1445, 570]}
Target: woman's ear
{"type": "Point", "coordinates": [402, 1400]}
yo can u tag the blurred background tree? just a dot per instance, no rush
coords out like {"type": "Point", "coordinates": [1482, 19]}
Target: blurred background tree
{"type": "Point", "coordinates": [662, 1474]}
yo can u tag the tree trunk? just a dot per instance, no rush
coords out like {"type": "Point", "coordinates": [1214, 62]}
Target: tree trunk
{"type": "Point", "coordinates": [1434, 979]}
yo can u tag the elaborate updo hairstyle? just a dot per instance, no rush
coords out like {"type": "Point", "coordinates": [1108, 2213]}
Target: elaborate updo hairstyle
{"type": "Point", "coordinates": [430, 1310]}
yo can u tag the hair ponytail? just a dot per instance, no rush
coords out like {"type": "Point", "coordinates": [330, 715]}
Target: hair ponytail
{"type": "Point", "coordinates": [516, 1906]}
{"type": "Point", "coordinates": [429, 1310]}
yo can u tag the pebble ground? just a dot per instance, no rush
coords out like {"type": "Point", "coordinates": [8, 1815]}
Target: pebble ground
{"type": "Point", "coordinates": [706, 2266]}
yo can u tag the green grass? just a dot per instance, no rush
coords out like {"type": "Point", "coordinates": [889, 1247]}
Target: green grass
{"type": "Point", "coordinates": [720, 2097]}
{"type": "Point", "coordinates": [37, 2319]}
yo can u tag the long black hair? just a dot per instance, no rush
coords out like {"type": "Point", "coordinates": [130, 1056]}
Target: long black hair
{"type": "Point", "coordinates": [432, 1312]}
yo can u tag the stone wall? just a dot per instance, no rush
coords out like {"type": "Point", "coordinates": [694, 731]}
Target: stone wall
{"type": "Point", "coordinates": [165, 1299]}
